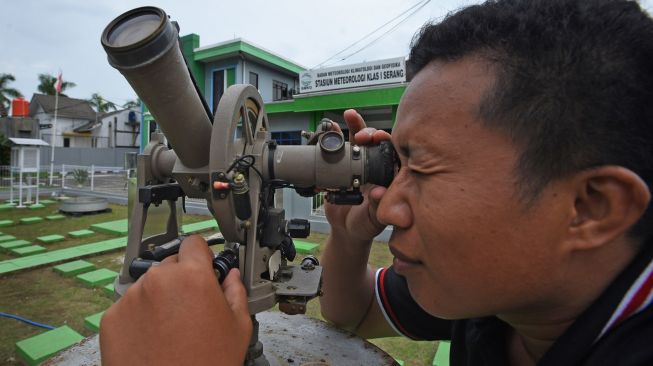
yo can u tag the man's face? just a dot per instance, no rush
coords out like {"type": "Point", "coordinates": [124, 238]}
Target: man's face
{"type": "Point", "coordinates": [466, 243]}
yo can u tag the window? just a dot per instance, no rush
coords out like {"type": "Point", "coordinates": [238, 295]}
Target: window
{"type": "Point", "coordinates": [279, 90]}
{"type": "Point", "coordinates": [253, 79]}
{"type": "Point", "coordinates": [218, 88]}
{"type": "Point", "coordinates": [221, 80]}
{"type": "Point", "coordinates": [287, 137]}
{"type": "Point", "coordinates": [66, 142]}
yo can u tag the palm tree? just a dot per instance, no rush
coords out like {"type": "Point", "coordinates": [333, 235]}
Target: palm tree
{"type": "Point", "coordinates": [100, 104]}
{"type": "Point", "coordinates": [6, 93]}
{"type": "Point", "coordinates": [132, 104]}
{"type": "Point", "coordinates": [47, 85]}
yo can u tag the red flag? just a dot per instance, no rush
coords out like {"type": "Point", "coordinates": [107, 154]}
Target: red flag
{"type": "Point", "coordinates": [59, 83]}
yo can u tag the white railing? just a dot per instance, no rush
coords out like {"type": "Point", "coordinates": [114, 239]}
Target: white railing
{"type": "Point", "coordinates": [94, 178]}
{"type": "Point", "coordinates": [317, 206]}
{"type": "Point", "coordinates": [6, 177]}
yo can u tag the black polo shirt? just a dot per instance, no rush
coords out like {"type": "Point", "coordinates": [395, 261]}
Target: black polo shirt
{"type": "Point", "coordinates": [617, 329]}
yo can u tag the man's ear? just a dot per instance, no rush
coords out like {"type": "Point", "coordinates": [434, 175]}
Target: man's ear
{"type": "Point", "coordinates": [609, 200]}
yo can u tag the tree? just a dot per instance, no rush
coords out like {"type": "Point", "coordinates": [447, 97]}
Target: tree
{"type": "Point", "coordinates": [132, 104]}
{"type": "Point", "coordinates": [5, 150]}
{"type": "Point", "coordinates": [100, 104]}
{"type": "Point", "coordinates": [47, 85]}
{"type": "Point", "coordinates": [6, 93]}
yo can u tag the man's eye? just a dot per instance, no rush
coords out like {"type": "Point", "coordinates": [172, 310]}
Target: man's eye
{"type": "Point", "coordinates": [417, 173]}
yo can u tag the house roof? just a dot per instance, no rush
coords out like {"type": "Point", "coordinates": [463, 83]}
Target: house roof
{"type": "Point", "coordinates": [248, 49]}
{"type": "Point", "coordinates": [67, 107]}
{"type": "Point", "coordinates": [88, 127]}
{"type": "Point", "coordinates": [108, 114]}
{"type": "Point", "coordinates": [28, 142]}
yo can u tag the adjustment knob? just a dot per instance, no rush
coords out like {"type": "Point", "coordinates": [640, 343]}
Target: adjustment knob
{"type": "Point", "coordinates": [299, 228]}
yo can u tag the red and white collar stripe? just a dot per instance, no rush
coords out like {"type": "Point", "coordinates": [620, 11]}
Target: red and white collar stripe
{"type": "Point", "coordinates": [637, 298]}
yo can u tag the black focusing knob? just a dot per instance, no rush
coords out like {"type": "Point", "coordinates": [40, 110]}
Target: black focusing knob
{"type": "Point", "coordinates": [224, 262]}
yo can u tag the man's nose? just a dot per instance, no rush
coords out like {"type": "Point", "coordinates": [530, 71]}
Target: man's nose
{"type": "Point", "coordinates": [394, 208]}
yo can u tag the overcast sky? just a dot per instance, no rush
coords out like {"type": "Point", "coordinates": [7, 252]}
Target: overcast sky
{"type": "Point", "coordinates": [48, 36]}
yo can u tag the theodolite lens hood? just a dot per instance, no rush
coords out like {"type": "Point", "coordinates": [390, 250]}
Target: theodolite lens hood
{"type": "Point", "coordinates": [143, 45]}
{"type": "Point", "coordinates": [138, 36]}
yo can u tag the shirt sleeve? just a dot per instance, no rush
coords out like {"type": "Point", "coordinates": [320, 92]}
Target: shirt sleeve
{"type": "Point", "coordinates": [403, 314]}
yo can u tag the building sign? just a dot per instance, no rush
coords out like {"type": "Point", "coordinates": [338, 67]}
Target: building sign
{"type": "Point", "coordinates": [353, 76]}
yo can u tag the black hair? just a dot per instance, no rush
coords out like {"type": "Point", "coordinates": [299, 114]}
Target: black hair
{"type": "Point", "coordinates": [574, 83]}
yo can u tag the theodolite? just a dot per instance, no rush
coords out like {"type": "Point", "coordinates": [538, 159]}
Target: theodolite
{"type": "Point", "coordinates": [229, 159]}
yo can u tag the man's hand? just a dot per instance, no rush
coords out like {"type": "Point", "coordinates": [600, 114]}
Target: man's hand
{"type": "Point", "coordinates": [177, 314]}
{"type": "Point", "coordinates": [348, 283]}
{"type": "Point", "coordinates": [358, 222]}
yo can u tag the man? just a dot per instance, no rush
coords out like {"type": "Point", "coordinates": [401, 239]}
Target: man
{"type": "Point", "coordinates": [521, 208]}
{"type": "Point", "coordinates": [520, 213]}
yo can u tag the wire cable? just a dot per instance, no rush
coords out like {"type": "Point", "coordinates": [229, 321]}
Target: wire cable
{"type": "Point", "coordinates": [386, 32]}
{"type": "Point", "coordinates": [27, 321]}
{"type": "Point", "coordinates": [422, 3]}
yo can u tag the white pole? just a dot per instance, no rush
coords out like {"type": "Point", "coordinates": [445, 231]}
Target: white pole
{"type": "Point", "coordinates": [38, 171]}
{"type": "Point", "coordinates": [11, 179]}
{"type": "Point", "coordinates": [54, 132]}
{"type": "Point", "coordinates": [20, 179]}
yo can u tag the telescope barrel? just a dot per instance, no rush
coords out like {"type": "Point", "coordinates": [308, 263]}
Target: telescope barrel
{"type": "Point", "coordinates": [312, 166]}
{"type": "Point", "coordinates": [143, 45]}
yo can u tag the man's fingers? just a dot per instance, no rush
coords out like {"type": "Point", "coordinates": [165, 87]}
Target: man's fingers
{"type": "Point", "coordinates": [171, 259]}
{"type": "Point", "coordinates": [375, 195]}
{"type": "Point", "coordinates": [380, 135]}
{"type": "Point", "coordinates": [195, 249]}
{"type": "Point", "coordinates": [235, 293]}
{"type": "Point", "coordinates": [354, 121]}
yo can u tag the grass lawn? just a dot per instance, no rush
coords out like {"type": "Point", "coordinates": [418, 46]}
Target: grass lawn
{"type": "Point", "coordinates": [43, 296]}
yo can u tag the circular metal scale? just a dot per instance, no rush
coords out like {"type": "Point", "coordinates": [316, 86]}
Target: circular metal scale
{"type": "Point", "coordinates": [83, 205]}
{"type": "Point", "coordinates": [288, 340]}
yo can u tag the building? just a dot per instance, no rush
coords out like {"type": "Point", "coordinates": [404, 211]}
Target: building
{"type": "Point", "coordinates": [19, 127]}
{"type": "Point", "coordinates": [76, 121]}
{"type": "Point", "coordinates": [292, 106]}
{"type": "Point", "coordinates": [121, 128]}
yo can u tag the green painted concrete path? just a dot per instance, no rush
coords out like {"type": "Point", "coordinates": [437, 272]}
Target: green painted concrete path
{"type": "Point", "coordinates": [55, 217]}
{"type": "Point", "coordinates": [93, 322]}
{"type": "Point", "coordinates": [99, 277]}
{"type": "Point", "coordinates": [81, 233]}
{"type": "Point", "coordinates": [5, 238]}
{"type": "Point", "coordinates": [30, 220]}
{"type": "Point", "coordinates": [36, 206]}
{"type": "Point", "coordinates": [442, 354]}
{"type": "Point", "coordinates": [199, 226]}
{"type": "Point", "coordinates": [8, 245]}
{"type": "Point", "coordinates": [74, 268]}
{"type": "Point", "coordinates": [5, 223]}
{"type": "Point", "coordinates": [117, 227]}
{"type": "Point", "coordinates": [61, 255]}
{"type": "Point", "coordinates": [109, 290]}
{"type": "Point", "coordinates": [47, 239]}
{"type": "Point", "coordinates": [27, 250]}
{"type": "Point", "coordinates": [6, 207]}
{"type": "Point", "coordinates": [305, 247]}
{"type": "Point", "coordinates": [39, 348]}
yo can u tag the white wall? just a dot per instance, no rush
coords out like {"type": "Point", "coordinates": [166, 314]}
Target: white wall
{"type": "Point", "coordinates": [63, 124]}
{"type": "Point", "coordinates": [119, 120]}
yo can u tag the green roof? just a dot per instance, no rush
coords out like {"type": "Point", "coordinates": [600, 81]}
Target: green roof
{"type": "Point", "coordinates": [226, 49]}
